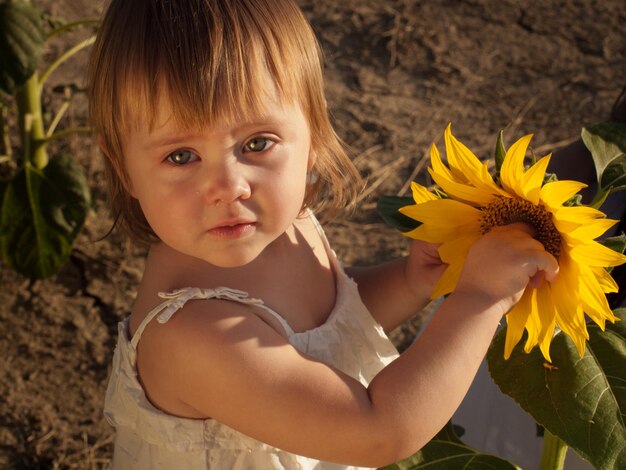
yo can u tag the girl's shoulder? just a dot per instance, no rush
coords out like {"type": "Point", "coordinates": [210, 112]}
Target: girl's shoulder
{"type": "Point", "coordinates": [198, 340]}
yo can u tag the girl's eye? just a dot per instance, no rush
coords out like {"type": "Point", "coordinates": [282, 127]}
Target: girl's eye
{"type": "Point", "coordinates": [258, 144]}
{"type": "Point", "coordinates": [181, 157]}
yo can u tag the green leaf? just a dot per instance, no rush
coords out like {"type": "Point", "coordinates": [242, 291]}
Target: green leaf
{"type": "Point", "coordinates": [500, 152]}
{"type": "Point", "coordinates": [580, 400]}
{"type": "Point", "coordinates": [387, 207]}
{"type": "Point", "coordinates": [21, 43]}
{"type": "Point", "coordinates": [42, 212]}
{"type": "Point", "coordinates": [446, 451]}
{"type": "Point", "coordinates": [614, 175]}
{"type": "Point", "coordinates": [607, 144]}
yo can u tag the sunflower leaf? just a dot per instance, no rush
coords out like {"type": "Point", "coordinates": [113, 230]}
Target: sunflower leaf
{"type": "Point", "coordinates": [580, 400]}
{"type": "Point", "coordinates": [21, 43]}
{"type": "Point", "coordinates": [446, 451]}
{"type": "Point", "coordinates": [387, 207]}
{"type": "Point", "coordinates": [607, 144]}
{"type": "Point", "coordinates": [614, 175]}
{"type": "Point", "coordinates": [616, 243]}
{"type": "Point", "coordinates": [41, 214]}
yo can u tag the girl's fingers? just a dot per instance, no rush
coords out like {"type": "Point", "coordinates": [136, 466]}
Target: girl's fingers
{"type": "Point", "coordinates": [548, 266]}
{"type": "Point", "coordinates": [536, 280]}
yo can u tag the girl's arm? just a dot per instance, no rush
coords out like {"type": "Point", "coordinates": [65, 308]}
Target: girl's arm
{"type": "Point", "coordinates": [226, 363]}
{"type": "Point", "coordinates": [397, 290]}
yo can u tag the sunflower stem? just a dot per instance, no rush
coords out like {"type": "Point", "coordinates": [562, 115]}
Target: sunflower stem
{"type": "Point", "coordinates": [73, 25]}
{"type": "Point", "coordinates": [553, 453]}
{"type": "Point", "coordinates": [31, 123]}
{"type": "Point", "coordinates": [600, 197]}
{"type": "Point", "coordinates": [66, 55]}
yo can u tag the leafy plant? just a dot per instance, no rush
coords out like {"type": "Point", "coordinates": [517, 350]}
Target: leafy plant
{"type": "Point", "coordinates": [44, 200]}
{"type": "Point", "coordinates": [607, 144]}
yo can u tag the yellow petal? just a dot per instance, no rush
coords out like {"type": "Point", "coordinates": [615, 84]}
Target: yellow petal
{"type": "Point", "coordinates": [606, 281]}
{"type": "Point", "coordinates": [592, 229]}
{"type": "Point", "coordinates": [461, 191]}
{"type": "Point", "coordinates": [572, 322]}
{"type": "Point", "coordinates": [513, 165]}
{"type": "Point", "coordinates": [421, 194]}
{"type": "Point", "coordinates": [516, 320]}
{"type": "Point", "coordinates": [457, 173]}
{"type": "Point", "coordinates": [565, 226]}
{"type": "Point", "coordinates": [457, 249]}
{"type": "Point", "coordinates": [554, 194]}
{"type": "Point", "coordinates": [453, 253]}
{"type": "Point", "coordinates": [533, 179]}
{"type": "Point", "coordinates": [447, 281]}
{"type": "Point", "coordinates": [431, 234]}
{"type": "Point", "coordinates": [547, 315]}
{"type": "Point", "coordinates": [575, 327]}
{"type": "Point", "coordinates": [568, 219]}
{"type": "Point", "coordinates": [436, 234]}
{"type": "Point", "coordinates": [533, 323]}
{"type": "Point", "coordinates": [596, 255]}
{"type": "Point", "coordinates": [468, 167]}
{"type": "Point", "coordinates": [437, 164]}
{"type": "Point", "coordinates": [592, 298]}
{"type": "Point", "coordinates": [565, 292]}
{"type": "Point", "coordinates": [442, 212]}
{"type": "Point", "coordinates": [544, 343]}
{"type": "Point", "coordinates": [566, 282]}
{"type": "Point", "coordinates": [578, 214]}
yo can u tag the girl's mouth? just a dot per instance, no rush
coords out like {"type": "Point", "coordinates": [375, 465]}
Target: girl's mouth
{"type": "Point", "coordinates": [234, 231]}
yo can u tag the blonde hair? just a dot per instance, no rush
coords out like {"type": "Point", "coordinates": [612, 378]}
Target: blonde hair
{"type": "Point", "coordinates": [207, 58]}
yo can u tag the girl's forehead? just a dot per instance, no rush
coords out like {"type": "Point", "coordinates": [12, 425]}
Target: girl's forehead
{"type": "Point", "coordinates": [166, 109]}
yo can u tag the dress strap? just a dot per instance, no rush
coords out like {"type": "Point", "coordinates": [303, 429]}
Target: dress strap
{"type": "Point", "coordinates": [329, 250]}
{"type": "Point", "coordinates": [175, 300]}
{"type": "Point", "coordinates": [318, 227]}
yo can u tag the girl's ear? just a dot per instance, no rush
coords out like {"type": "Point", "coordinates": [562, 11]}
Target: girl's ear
{"type": "Point", "coordinates": [117, 167]}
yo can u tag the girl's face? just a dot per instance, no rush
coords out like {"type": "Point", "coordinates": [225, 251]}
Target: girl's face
{"type": "Point", "coordinates": [225, 193]}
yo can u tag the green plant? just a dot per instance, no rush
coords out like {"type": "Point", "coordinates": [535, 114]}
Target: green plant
{"type": "Point", "coordinates": [44, 198]}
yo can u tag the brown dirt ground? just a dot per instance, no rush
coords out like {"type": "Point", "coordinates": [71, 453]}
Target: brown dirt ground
{"type": "Point", "coordinates": [397, 72]}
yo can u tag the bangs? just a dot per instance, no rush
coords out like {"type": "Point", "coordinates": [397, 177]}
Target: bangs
{"type": "Point", "coordinates": [197, 100]}
{"type": "Point", "coordinates": [210, 61]}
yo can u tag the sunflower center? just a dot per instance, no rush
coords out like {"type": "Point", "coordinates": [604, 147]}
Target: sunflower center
{"type": "Point", "coordinates": [505, 211]}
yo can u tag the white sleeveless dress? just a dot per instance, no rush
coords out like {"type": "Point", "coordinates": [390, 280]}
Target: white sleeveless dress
{"type": "Point", "coordinates": [147, 438]}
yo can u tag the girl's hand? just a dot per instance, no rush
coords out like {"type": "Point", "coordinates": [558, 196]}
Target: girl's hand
{"type": "Point", "coordinates": [397, 290]}
{"type": "Point", "coordinates": [423, 268]}
{"type": "Point", "coordinates": [503, 263]}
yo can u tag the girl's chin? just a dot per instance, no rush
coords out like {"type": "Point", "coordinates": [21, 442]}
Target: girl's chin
{"type": "Point", "coordinates": [232, 258]}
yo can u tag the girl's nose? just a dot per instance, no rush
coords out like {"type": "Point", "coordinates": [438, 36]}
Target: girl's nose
{"type": "Point", "coordinates": [226, 183]}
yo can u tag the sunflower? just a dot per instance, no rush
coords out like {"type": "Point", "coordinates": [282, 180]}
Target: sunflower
{"type": "Point", "coordinates": [475, 203]}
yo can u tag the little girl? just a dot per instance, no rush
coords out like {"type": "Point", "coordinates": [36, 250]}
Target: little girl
{"type": "Point", "coordinates": [249, 346]}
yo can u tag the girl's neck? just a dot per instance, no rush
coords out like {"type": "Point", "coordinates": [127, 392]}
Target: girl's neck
{"type": "Point", "coordinates": [170, 268]}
